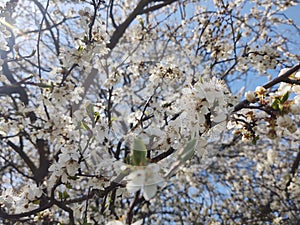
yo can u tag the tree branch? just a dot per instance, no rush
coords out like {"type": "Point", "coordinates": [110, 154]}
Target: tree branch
{"type": "Point", "coordinates": [282, 78]}
{"type": "Point", "coordinates": [25, 157]}
{"type": "Point", "coordinates": [293, 170]}
{"type": "Point", "coordinates": [15, 217]}
{"type": "Point", "coordinates": [162, 155]}
{"type": "Point", "coordinates": [122, 27]}
{"type": "Point", "coordinates": [130, 210]}
{"type": "Point", "coordinates": [156, 7]}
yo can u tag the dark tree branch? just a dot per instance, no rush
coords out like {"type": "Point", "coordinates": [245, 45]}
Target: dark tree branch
{"type": "Point", "coordinates": [50, 27]}
{"type": "Point", "coordinates": [130, 210]}
{"type": "Point", "coordinates": [111, 5]}
{"type": "Point", "coordinates": [162, 155]}
{"type": "Point", "coordinates": [15, 87]}
{"type": "Point", "coordinates": [44, 163]}
{"type": "Point", "coordinates": [44, 12]}
{"type": "Point", "coordinates": [24, 156]}
{"type": "Point", "coordinates": [15, 217]}
{"type": "Point", "coordinates": [122, 27]}
{"type": "Point", "coordinates": [293, 171]}
{"type": "Point", "coordinates": [14, 167]}
{"type": "Point", "coordinates": [91, 25]}
{"type": "Point", "coordinates": [158, 6]}
{"type": "Point", "coordinates": [282, 78]}
{"type": "Point", "coordinates": [9, 90]}
{"type": "Point", "coordinates": [67, 209]}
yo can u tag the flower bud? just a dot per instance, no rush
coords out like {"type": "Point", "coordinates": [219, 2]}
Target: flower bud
{"type": "Point", "coordinates": [292, 128]}
{"type": "Point", "coordinates": [259, 90]}
{"type": "Point", "coordinates": [250, 96]}
{"type": "Point", "coordinates": [272, 134]}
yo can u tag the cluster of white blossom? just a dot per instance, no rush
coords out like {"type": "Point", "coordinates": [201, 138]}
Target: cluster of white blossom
{"type": "Point", "coordinates": [263, 58]}
{"type": "Point", "coordinates": [202, 107]}
{"type": "Point", "coordinates": [284, 111]}
{"type": "Point", "coordinates": [120, 134]}
{"type": "Point", "coordinates": [4, 34]}
{"type": "Point", "coordinates": [91, 42]}
{"type": "Point", "coordinates": [24, 200]}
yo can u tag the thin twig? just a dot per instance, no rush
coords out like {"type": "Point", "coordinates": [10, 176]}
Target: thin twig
{"type": "Point", "coordinates": [282, 78]}
{"type": "Point", "coordinates": [39, 39]}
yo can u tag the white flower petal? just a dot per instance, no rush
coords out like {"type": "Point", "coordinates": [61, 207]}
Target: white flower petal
{"type": "Point", "coordinates": [132, 187]}
{"type": "Point", "coordinates": [149, 191]}
{"type": "Point", "coordinates": [219, 118]}
{"type": "Point", "coordinates": [138, 177]}
{"type": "Point", "coordinates": [136, 180]}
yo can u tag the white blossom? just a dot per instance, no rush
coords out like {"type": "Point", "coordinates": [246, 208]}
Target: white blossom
{"type": "Point", "coordinates": [146, 179]}
{"type": "Point", "coordinates": [80, 81]}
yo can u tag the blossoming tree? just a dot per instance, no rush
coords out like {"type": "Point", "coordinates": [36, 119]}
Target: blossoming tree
{"type": "Point", "coordinates": [132, 112]}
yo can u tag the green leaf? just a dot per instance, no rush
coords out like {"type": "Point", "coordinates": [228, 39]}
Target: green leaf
{"type": "Point", "coordinates": [87, 128]}
{"type": "Point", "coordinates": [255, 139]}
{"type": "Point", "coordinates": [60, 195]}
{"type": "Point", "coordinates": [275, 104]}
{"type": "Point", "coordinates": [63, 195]}
{"type": "Point", "coordinates": [200, 79]}
{"type": "Point", "coordinates": [66, 195]}
{"type": "Point", "coordinates": [36, 202]}
{"type": "Point", "coordinates": [139, 153]}
{"type": "Point", "coordinates": [94, 208]}
{"type": "Point", "coordinates": [91, 113]}
{"type": "Point", "coordinates": [127, 159]}
{"type": "Point", "coordinates": [106, 205]}
{"type": "Point", "coordinates": [188, 152]}
{"type": "Point", "coordinates": [84, 126]}
{"type": "Point", "coordinates": [73, 177]}
{"type": "Point", "coordinates": [285, 97]}
{"type": "Point", "coordinates": [96, 117]}
{"type": "Point", "coordinates": [280, 107]}
{"type": "Point", "coordinates": [80, 48]}
{"type": "Point", "coordinates": [238, 37]}
{"type": "Point", "coordinates": [141, 22]}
